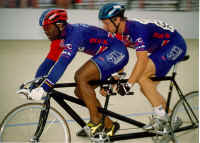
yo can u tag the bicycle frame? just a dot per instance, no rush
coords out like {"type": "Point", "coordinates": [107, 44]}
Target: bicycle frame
{"type": "Point", "coordinates": [61, 99]}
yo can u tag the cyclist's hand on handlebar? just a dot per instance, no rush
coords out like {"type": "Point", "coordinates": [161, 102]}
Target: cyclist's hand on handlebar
{"type": "Point", "coordinates": [103, 92]}
{"type": "Point", "coordinates": [38, 94]}
{"type": "Point", "coordinates": [24, 91]}
{"type": "Point", "coordinates": [31, 89]}
{"type": "Point", "coordinates": [124, 88]}
{"type": "Point", "coordinates": [35, 94]}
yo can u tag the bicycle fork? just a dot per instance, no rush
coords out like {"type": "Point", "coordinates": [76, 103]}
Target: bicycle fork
{"type": "Point", "coordinates": [42, 121]}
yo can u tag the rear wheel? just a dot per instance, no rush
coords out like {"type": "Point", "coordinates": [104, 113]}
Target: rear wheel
{"type": "Point", "coordinates": [188, 116]}
{"type": "Point", "coordinates": [21, 123]}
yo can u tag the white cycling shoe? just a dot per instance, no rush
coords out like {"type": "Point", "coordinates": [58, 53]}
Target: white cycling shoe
{"type": "Point", "coordinates": [158, 124]}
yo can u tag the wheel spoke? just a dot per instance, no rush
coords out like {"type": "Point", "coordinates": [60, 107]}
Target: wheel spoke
{"type": "Point", "coordinates": [21, 123]}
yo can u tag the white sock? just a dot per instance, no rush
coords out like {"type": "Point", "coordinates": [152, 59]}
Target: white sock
{"type": "Point", "coordinates": [159, 110]}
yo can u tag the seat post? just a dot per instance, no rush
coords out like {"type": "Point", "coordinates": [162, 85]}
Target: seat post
{"type": "Point", "coordinates": [174, 68]}
{"type": "Point", "coordinates": [171, 87]}
{"type": "Point", "coordinates": [174, 71]}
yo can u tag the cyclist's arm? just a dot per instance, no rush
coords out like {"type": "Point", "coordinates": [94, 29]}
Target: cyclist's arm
{"type": "Point", "coordinates": [141, 44]}
{"type": "Point", "coordinates": [116, 77]}
{"type": "Point", "coordinates": [52, 57]}
{"type": "Point", "coordinates": [142, 59]}
{"type": "Point", "coordinates": [59, 67]}
{"type": "Point", "coordinates": [44, 67]}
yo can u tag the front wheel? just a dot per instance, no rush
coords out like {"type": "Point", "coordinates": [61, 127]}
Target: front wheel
{"type": "Point", "coordinates": [20, 125]}
{"type": "Point", "coordinates": [185, 118]}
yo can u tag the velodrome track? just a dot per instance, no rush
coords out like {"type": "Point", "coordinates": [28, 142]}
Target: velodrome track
{"type": "Point", "coordinates": [19, 60]}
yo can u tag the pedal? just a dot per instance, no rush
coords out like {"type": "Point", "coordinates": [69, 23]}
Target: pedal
{"type": "Point", "coordinates": [161, 139]}
{"type": "Point", "coordinates": [87, 131]}
{"type": "Point", "coordinates": [161, 133]}
{"type": "Point", "coordinates": [100, 137]}
{"type": "Point", "coordinates": [165, 131]}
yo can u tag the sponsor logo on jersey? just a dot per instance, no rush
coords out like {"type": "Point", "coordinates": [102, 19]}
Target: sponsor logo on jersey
{"type": "Point", "coordinates": [66, 53]}
{"type": "Point", "coordinates": [139, 44]}
{"type": "Point", "coordinates": [98, 41]}
{"type": "Point", "coordinates": [68, 46]}
{"type": "Point", "coordinates": [161, 35]}
{"type": "Point", "coordinates": [115, 57]}
{"type": "Point", "coordinates": [174, 53]}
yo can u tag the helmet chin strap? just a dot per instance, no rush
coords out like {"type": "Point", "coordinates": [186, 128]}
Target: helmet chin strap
{"type": "Point", "coordinates": [116, 26]}
{"type": "Point", "coordinates": [59, 31]}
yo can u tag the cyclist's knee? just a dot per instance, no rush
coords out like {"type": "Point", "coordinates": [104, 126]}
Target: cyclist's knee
{"type": "Point", "coordinates": [76, 92]}
{"type": "Point", "coordinates": [76, 76]}
{"type": "Point", "coordinates": [80, 78]}
{"type": "Point", "coordinates": [141, 89]}
{"type": "Point", "coordinates": [141, 81]}
{"type": "Point", "coordinates": [144, 77]}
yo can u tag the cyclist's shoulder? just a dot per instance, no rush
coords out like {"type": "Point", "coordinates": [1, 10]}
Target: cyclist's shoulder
{"type": "Point", "coordinates": [90, 29]}
{"type": "Point", "coordinates": [136, 23]}
{"type": "Point", "coordinates": [84, 27]}
{"type": "Point", "coordinates": [134, 28]}
{"type": "Point", "coordinates": [95, 34]}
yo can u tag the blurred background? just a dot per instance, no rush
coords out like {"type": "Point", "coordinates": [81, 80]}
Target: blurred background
{"type": "Point", "coordinates": [23, 46]}
{"type": "Point", "coordinates": [166, 5]}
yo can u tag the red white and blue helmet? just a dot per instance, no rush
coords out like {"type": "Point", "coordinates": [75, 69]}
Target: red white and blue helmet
{"type": "Point", "coordinates": [53, 15]}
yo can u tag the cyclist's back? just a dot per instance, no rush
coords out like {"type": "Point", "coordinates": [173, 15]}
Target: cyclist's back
{"type": "Point", "coordinates": [88, 39]}
{"type": "Point", "coordinates": [151, 35]}
{"type": "Point", "coordinates": [165, 45]}
{"type": "Point", "coordinates": [109, 55]}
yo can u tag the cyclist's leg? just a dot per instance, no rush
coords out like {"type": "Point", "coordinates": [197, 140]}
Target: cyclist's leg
{"type": "Point", "coordinates": [86, 73]}
{"type": "Point", "coordinates": [108, 62]}
{"type": "Point", "coordinates": [159, 64]}
{"type": "Point", "coordinates": [108, 122]}
{"type": "Point", "coordinates": [77, 92]}
{"type": "Point", "coordinates": [148, 87]}
{"type": "Point", "coordinates": [100, 67]}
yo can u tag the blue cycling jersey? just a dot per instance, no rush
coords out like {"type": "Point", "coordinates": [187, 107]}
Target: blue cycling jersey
{"type": "Point", "coordinates": [166, 45]}
{"type": "Point", "coordinates": [147, 35]}
{"type": "Point", "coordinates": [88, 39]}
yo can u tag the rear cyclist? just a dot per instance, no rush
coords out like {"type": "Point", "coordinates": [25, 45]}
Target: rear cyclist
{"type": "Point", "coordinates": [109, 55]}
{"type": "Point", "coordinates": [158, 47]}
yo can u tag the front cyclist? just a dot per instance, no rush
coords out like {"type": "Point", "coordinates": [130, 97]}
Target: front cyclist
{"type": "Point", "coordinates": [109, 55]}
{"type": "Point", "coordinates": [158, 47]}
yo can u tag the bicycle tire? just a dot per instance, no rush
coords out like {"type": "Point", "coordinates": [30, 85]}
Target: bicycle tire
{"type": "Point", "coordinates": [19, 125]}
{"type": "Point", "coordinates": [180, 112]}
